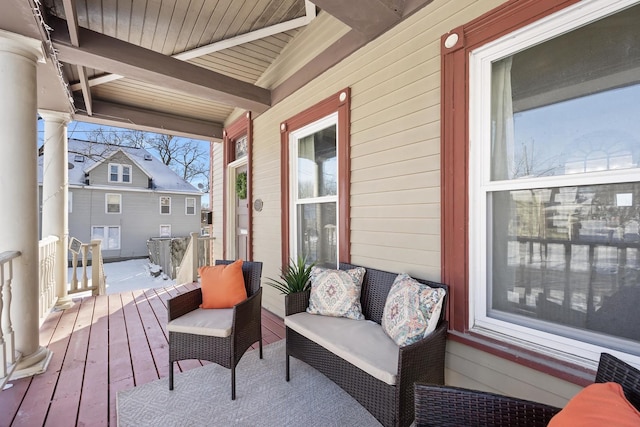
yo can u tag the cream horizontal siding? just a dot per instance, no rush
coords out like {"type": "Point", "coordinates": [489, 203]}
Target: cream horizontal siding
{"type": "Point", "coordinates": [471, 368]}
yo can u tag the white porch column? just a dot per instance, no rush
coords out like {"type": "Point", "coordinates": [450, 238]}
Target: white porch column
{"type": "Point", "coordinates": [55, 196]}
{"type": "Point", "coordinates": [19, 191]}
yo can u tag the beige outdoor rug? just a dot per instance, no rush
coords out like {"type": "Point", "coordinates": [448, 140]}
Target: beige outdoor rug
{"type": "Point", "coordinates": [202, 397]}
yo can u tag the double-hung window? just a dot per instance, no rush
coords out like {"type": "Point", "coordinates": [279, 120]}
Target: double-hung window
{"type": "Point", "coordinates": [165, 205]}
{"type": "Point", "coordinates": [554, 185]}
{"type": "Point", "coordinates": [119, 173]}
{"type": "Point", "coordinates": [314, 191]}
{"type": "Point", "coordinates": [113, 203]}
{"type": "Point", "coordinates": [190, 205]}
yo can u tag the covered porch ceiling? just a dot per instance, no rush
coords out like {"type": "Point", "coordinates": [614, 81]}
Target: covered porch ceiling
{"type": "Point", "coordinates": [181, 67]}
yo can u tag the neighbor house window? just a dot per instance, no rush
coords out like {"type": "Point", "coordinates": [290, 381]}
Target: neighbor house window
{"type": "Point", "coordinates": [165, 205]}
{"type": "Point", "coordinates": [316, 184]}
{"type": "Point", "coordinates": [119, 173]}
{"type": "Point", "coordinates": [109, 235]}
{"type": "Point", "coordinates": [165, 230]}
{"type": "Point", "coordinates": [554, 182]}
{"type": "Point", "coordinates": [190, 205]}
{"type": "Point", "coordinates": [113, 203]}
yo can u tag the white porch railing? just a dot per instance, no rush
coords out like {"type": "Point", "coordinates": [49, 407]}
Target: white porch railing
{"type": "Point", "coordinates": [199, 252]}
{"type": "Point", "coordinates": [9, 357]}
{"type": "Point", "coordinates": [47, 278]}
{"type": "Point", "coordinates": [97, 284]}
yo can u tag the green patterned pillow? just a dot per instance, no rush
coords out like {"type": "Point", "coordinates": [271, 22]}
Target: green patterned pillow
{"type": "Point", "coordinates": [411, 311]}
{"type": "Point", "coordinates": [336, 292]}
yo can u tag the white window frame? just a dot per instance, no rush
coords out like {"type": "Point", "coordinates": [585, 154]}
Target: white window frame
{"type": "Point", "coordinates": [186, 205]}
{"type": "Point", "coordinates": [105, 232]}
{"type": "Point", "coordinates": [121, 173]}
{"type": "Point", "coordinates": [480, 184]}
{"type": "Point", "coordinates": [318, 125]}
{"type": "Point", "coordinates": [106, 203]}
{"type": "Point", "coordinates": [166, 227]}
{"type": "Point", "coordinates": [160, 201]}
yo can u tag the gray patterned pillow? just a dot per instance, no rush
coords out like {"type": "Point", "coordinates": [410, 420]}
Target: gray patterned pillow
{"type": "Point", "coordinates": [336, 292]}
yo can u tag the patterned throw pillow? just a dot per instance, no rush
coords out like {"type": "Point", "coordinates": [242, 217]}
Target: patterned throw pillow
{"type": "Point", "coordinates": [411, 311]}
{"type": "Point", "coordinates": [336, 292]}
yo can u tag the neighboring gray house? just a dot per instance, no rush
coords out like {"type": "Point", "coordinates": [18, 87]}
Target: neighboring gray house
{"type": "Point", "coordinates": [125, 196]}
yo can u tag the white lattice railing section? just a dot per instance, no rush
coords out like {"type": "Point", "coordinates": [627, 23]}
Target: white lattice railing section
{"type": "Point", "coordinates": [199, 252]}
{"type": "Point", "coordinates": [48, 248]}
{"type": "Point", "coordinates": [97, 283]}
{"type": "Point", "coordinates": [8, 355]}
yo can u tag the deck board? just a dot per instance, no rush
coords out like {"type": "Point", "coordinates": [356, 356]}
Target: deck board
{"type": "Point", "coordinates": [100, 346]}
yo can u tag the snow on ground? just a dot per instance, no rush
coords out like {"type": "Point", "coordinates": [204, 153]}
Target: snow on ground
{"type": "Point", "coordinates": [129, 276]}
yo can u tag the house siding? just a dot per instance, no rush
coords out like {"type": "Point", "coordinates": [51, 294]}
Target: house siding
{"type": "Point", "coordinates": [139, 221]}
{"type": "Point", "coordinates": [217, 190]}
{"type": "Point", "coordinates": [395, 174]}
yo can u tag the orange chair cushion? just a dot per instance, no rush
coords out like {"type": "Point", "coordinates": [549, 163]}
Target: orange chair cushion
{"type": "Point", "coordinates": [598, 405]}
{"type": "Point", "coordinates": [222, 285]}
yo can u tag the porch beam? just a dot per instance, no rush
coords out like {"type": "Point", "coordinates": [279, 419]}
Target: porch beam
{"type": "Point", "coordinates": [111, 114]}
{"type": "Point", "coordinates": [368, 17]}
{"type": "Point", "coordinates": [72, 24]}
{"type": "Point", "coordinates": [116, 56]}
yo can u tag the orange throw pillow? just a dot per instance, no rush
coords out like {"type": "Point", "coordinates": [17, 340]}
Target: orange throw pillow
{"type": "Point", "coordinates": [222, 285]}
{"type": "Point", "coordinates": [598, 405]}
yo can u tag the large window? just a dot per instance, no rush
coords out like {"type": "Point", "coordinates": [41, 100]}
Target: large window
{"type": "Point", "coordinates": [108, 234]}
{"type": "Point", "coordinates": [314, 192]}
{"type": "Point", "coordinates": [315, 182]}
{"type": "Point", "coordinates": [554, 181]}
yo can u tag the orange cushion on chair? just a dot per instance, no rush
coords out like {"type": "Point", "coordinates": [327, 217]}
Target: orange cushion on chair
{"type": "Point", "coordinates": [598, 405]}
{"type": "Point", "coordinates": [222, 285]}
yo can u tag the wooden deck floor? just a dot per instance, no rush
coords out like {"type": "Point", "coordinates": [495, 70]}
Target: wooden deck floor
{"type": "Point", "coordinates": [100, 346]}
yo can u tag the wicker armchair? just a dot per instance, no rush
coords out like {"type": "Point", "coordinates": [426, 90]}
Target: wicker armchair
{"type": "Point", "coordinates": [227, 348]}
{"type": "Point", "coordinates": [439, 406]}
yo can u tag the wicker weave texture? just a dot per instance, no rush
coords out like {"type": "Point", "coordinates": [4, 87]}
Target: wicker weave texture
{"type": "Point", "coordinates": [246, 328]}
{"type": "Point", "coordinates": [423, 361]}
{"type": "Point", "coordinates": [440, 406]}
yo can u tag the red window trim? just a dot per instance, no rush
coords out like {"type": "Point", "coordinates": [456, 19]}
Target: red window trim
{"type": "Point", "coordinates": [504, 19]}
{"type": "Point", "coordinates": [240, 127]}
{"type": "Point", "coordinates": [340, 102]}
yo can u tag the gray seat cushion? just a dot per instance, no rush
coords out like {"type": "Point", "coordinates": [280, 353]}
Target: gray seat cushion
{"type": "Point", "coordinates": [211, 322]}
{"type": "Point", "coordinates": [362, 343]}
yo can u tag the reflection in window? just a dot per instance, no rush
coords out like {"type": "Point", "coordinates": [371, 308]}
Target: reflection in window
{"type": "Point", "coordinates": [569, 256]}
{"type": "Point", "coordinates": [562, 249]}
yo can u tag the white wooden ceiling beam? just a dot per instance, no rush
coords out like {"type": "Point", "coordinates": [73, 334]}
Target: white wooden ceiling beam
{"type": "Point", "coordinates": [72, 25]}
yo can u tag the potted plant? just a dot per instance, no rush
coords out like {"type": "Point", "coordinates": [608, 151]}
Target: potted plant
{"type": "Point", "coordinates": [295, 284]}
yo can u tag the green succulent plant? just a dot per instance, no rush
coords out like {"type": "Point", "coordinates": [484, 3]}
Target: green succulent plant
{"type": "Point", "coordinates": [296, 277]}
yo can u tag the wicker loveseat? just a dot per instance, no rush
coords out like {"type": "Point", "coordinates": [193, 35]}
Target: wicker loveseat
{"type": "Point", "coordinates": [443, 406]}
{"type": "Point", "coordinates": [391, 404]}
